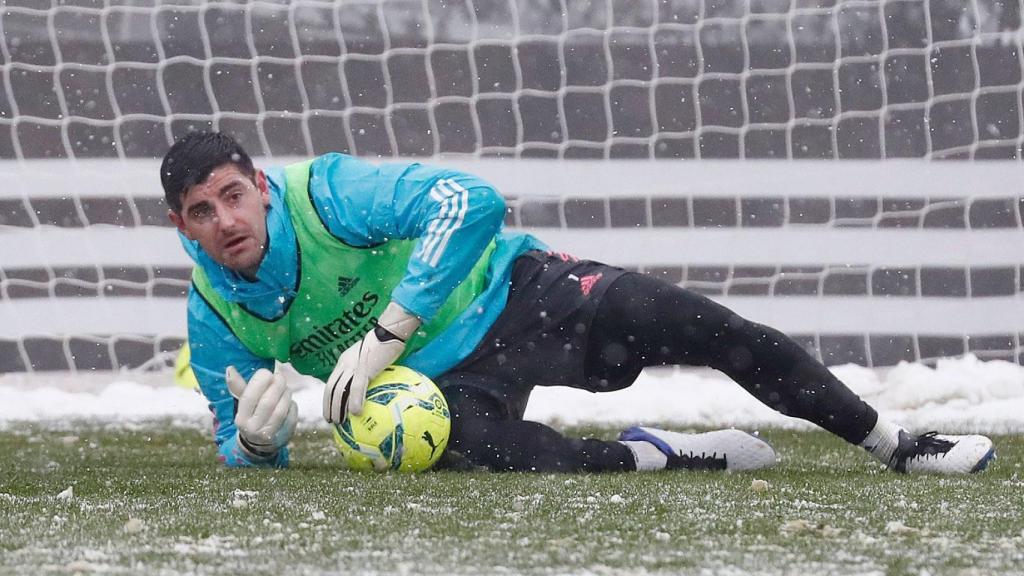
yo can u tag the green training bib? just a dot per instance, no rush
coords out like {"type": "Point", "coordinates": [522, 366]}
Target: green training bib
{"type": "Point", "coordinates": [342, 291]}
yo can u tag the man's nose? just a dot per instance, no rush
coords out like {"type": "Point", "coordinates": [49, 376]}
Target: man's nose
{"type": "Point", "coordinates": [225, 217]}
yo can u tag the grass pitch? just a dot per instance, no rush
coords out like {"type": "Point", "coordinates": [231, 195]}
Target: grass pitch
{"type": "Point", "coordinates": [152, 499]}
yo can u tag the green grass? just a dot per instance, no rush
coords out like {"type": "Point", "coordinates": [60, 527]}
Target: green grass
{"type": "Point", "coordinates": [828, 510]}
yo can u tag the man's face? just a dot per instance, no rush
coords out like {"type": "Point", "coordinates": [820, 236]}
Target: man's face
{"type": "Point", "coordinates": [226, 214]}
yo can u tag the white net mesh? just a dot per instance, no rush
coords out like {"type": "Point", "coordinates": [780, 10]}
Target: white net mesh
{"type": "Point", "coordinates": [92, 92]}
{"type": "Point", "coordinates": [654, 78]}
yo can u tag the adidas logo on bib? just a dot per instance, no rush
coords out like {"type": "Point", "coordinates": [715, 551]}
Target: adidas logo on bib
{"type": "Point", "coordinates": [346, 284]}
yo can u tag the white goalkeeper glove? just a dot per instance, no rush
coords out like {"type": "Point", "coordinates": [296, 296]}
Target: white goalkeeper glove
{"type": "Point", "coordinates": [266, 414]}
{"type": "Point", "coordinates": [346, 387]}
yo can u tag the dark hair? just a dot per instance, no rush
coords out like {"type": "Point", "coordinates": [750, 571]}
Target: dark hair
{"type": "Point", "coordinates": [191, 160]}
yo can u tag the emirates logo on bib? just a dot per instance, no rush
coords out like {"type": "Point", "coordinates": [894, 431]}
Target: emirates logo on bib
{"type": "Point", "coordinates": [346, 284]}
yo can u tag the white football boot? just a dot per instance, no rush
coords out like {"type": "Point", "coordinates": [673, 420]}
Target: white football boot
{"type": "Point", "coordinates": [730, 450]}
{"type": "Point", "coordinates": [941, 453]}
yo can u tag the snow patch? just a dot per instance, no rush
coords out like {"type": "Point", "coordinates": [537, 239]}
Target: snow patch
{"type": "Point", "coordinates": [957, 395]}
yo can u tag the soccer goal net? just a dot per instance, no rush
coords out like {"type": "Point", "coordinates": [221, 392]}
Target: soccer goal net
{"type": "Point", "coordinates": [814, 164]}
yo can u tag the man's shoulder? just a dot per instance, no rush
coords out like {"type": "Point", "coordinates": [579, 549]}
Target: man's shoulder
{"type": "Point", "coordinates": [333, 159]}
{"type": "Point", "coordinates": [327, 161]}
{"type": "Point", "coordinates": [200, 309]}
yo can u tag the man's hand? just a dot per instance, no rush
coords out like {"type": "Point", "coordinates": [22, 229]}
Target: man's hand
{"type": "Point", "coordinates": [346, 387]}
{"type": "Point", "coordinates": [266, 414]}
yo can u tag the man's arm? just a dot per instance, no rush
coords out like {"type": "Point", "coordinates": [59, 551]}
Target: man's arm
{"type": "Point", "coordinates": [452, 215]}
{"type": "Point", "coordinates": [214, 347]}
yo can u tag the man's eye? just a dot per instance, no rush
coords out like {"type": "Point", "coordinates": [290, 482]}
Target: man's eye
{"type": "Point", "coordinates": [200, 213]}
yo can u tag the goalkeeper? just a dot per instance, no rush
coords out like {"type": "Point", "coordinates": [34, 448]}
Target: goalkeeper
{"type": "Point", "coordinates": [342, 268]}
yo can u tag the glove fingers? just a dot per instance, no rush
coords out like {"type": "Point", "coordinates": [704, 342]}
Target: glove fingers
{"type": "Point", "coordinates": [267, 404]}
{"type": "Point", "coordinates": [254, 391]}
{"type": "Point", "coordinates": [276, 420]}
{"type": "Point", "coordinates": [333, 395]}
{"type": "Point", "coordinates": [360, 380]}
{"type": "Point", "coordinates": [335, 376]}
{"type": "Point", "coordinates": [341, 394]}
{"type": "Point", "coordinates": [357, 393]}
{"type": "Point", "coordinates": [332, 388]}
{"type": "Point", "coordinates": [236, 384]}
{"type": "Point", "coordinates": [326, 404]}
{"type": "Point", "coordinates": [336, 395]}
{"type": "Point", "coordinates": [291, 420]}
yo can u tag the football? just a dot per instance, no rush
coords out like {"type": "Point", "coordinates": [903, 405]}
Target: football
{"type": "Point", "coordinates": [404, 425]}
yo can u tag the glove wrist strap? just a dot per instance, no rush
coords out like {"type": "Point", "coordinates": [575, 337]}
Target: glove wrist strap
{"type": "Point", "coordinates": [385, 335]}
{"type": "Point", "coordinates": [255, 451]}
{"type": "Point", "coordinates": [395, 324]}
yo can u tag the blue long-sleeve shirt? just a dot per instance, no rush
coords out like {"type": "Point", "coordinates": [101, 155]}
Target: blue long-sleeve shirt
{"type": "Point", "coordinates": [453, 216]}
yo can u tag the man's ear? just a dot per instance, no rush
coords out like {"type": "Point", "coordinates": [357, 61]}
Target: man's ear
{"type": "Point", "coordinates": [179, 222]}
{"type": "Point", "coordinates": [261, 185]}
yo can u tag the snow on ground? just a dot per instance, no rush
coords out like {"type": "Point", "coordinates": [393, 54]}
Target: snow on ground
{"type": "Point", "coordinates": [957, 395]}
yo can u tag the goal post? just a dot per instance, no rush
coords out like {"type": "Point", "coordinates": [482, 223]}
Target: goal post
{"type": "Point", "coordinates": [846, 171]}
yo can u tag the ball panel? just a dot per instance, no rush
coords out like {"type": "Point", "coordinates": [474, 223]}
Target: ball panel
{"type": "Point", "coordinates": [404, 426]}
{"type": "Point", "coordinates": [358, 456]}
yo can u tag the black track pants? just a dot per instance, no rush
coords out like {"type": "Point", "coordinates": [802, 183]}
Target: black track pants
{"type": "Point", "coordinates": [639, 322]}
{"type": "Point", "coordinates": [645, 322]}
{"type": "Point", "coordinates": [485, 435]}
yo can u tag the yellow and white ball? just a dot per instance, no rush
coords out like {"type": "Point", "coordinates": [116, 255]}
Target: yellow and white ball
{"type": "Point", "coordinates": [404, 425]}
